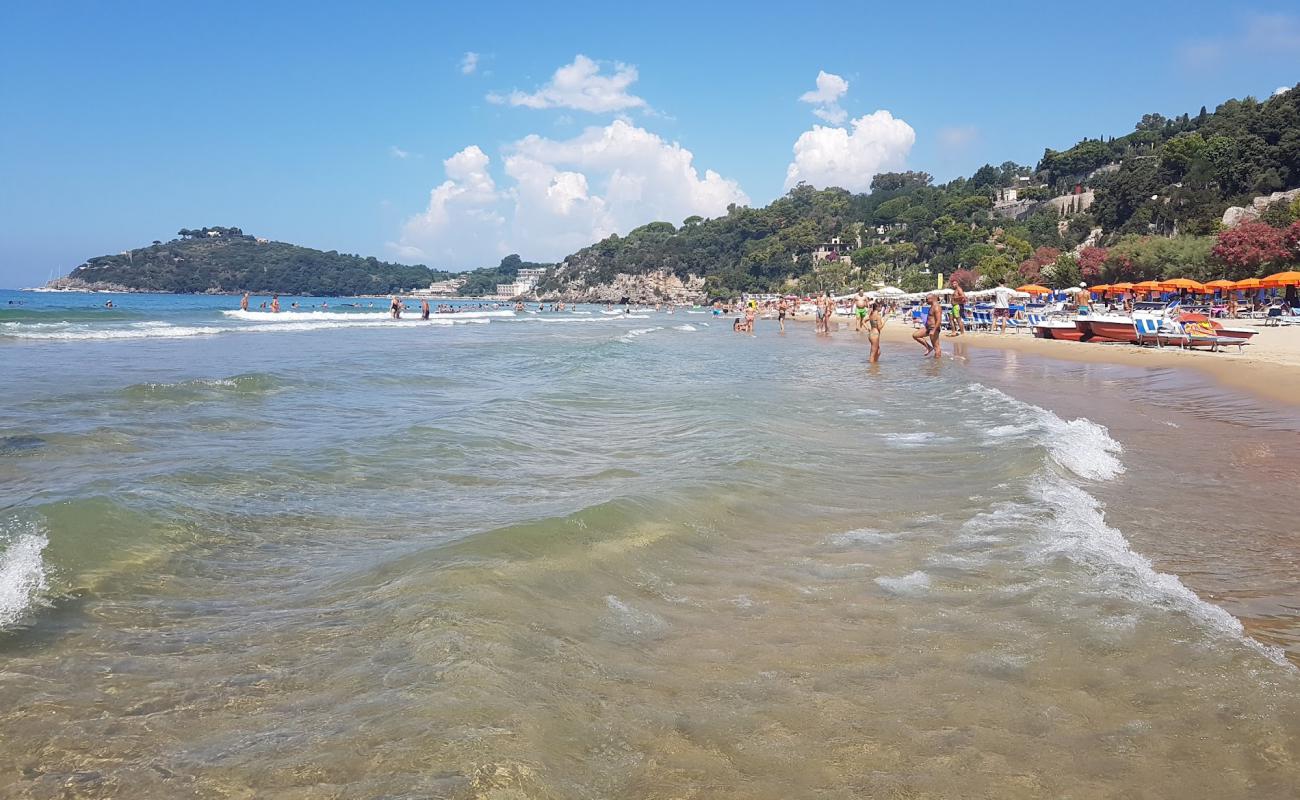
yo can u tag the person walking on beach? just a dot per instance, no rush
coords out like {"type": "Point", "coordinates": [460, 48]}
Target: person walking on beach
{"type": "Point", "coordinates": [243, 302]}
{"type": "Point", "coordinates": [1001, 306]}
{"type": "Point", "coordinates": [958, 303]}
{"type": "Point", "coordinates": [424, 308]}
{"type": "Point", "coordinates": [875, 326]}
{"type": "Point", "coordinates": [928, 337]}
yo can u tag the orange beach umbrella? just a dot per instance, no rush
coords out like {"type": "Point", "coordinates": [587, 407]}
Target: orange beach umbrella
{"type": "Point", "coordinates": [1122, 286]}
{"type": "Point", "coordinates": [1033, 288]}
{"type": "Point", "coordinates": [1221, 285]}
{"type": "Point", "coordinates": [1099, 288]}
{"type": "Point", "coordinates": [1291, 278]}
{"type": "Point", "coordinates": [1185, 283]}
{"type": "Point", "coordinates": [1148, 286]}
{"type": "Point", "coordinates": [1249, 283]}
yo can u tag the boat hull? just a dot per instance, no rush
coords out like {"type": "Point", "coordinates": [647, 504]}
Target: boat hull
{"type": "Point", "coordinates": [1112, 329]}
{"type": "Point", "coordinates": [1063, 331]}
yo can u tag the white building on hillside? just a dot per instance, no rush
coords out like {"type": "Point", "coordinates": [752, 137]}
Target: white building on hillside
{"type": "Point", "coordinates": [524, 284]}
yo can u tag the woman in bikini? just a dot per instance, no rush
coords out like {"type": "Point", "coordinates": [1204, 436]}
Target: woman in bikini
{"type": "Point", "coordinates": [875, 325]}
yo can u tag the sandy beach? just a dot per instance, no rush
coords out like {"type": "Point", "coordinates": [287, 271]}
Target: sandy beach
{"type": "Point", "coordinates": [1268, 367]}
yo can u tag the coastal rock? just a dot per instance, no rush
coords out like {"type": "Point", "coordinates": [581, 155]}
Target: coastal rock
{"type": "Point", "coordinates": [1235, 215]}
{"type": "Point", "coordinates": [657, 286]}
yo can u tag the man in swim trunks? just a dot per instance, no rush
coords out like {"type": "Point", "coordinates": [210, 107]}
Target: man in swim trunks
{"type": "Point", "coordinates": [1083, 299]}
{"type": "Point", "coordinates": [928, 337]}
{"type": "Point", "coordinates": [243, 302]}
{"type": "Point", "coordinates": [782, 308]}
{"type": "Point", "coordinates": [860, 310]}
{"type": "Point", "coordinates": [424, 308]}
{"type": "Point", "coordinates": [958, 303]}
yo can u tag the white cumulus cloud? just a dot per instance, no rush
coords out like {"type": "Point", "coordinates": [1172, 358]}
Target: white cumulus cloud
{"type": "Point", "coordinates": [581, 86]}
{"type": "Point", "coordinates": [461, 224]}
{"type": "Point", "coordinates": [851, 157]}
{"type": "Point", "coordinates": [826, 97]}
{"type": "Point", "coordinates": [469, 63]}
{"type": "Point", "coordinates": [560, 195]}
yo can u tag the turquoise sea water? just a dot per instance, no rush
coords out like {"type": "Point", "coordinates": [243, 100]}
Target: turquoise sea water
{"type": "Point", "coordinates": [509, 555]}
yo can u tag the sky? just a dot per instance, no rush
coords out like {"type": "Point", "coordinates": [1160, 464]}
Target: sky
{"type": "Point", "coordinates": [454, 134]}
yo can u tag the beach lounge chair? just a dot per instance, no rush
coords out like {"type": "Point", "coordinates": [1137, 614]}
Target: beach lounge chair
{"type": "Point", "coordinates": [1150, 330]}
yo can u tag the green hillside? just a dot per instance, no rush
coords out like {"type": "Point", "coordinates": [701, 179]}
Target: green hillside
{"type": "Point", "coordinates": [227, 260]}
{"type": "Point", "coordinates": [1159, 192]}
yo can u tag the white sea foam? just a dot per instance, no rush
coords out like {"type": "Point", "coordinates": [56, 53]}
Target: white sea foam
{"type": "Point", "coordinates": [914, 439]}
{"type": "Point", "coordinates": [861, 536]}
{"type": "Point", "coordinates": [164, 330]}
{"type": "Point", "coordinates": [22, 573]}
{"type": "Point", "coordinates": [1077, 531]}
{"type": "Point", "coordinates": [687, 327]}
{"type": "Point", "coordinates": [631, 621]}
{"type": "Point", "coordinates": [266, 317]}
{"type": "Point", "coordinates": [636, 332]}
{"type": "Point", "coordinates": [913, 583]}
{"type": "Point", "coordinates": [1080, 446]}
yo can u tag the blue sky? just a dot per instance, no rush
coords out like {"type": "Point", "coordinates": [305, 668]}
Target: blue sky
{"type": "Point", "coordinates": [329, 124]}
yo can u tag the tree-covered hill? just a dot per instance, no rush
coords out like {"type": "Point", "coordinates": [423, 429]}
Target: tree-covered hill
{"type": "Point", "coordinates": [1159, 192]}
{"type": "Point", "coordinates": [227, 260]}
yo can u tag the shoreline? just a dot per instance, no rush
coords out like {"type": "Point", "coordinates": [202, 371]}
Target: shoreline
{"type": "Point", "coordinates": [1269, 368]}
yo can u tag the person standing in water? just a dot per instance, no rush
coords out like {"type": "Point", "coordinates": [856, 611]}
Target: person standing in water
{"type": "Point", "coordinates": [928, 337]}
{"type": "Point", "coordinates": [424, 308]}
{"type": "Point", "coordinates": [875, 326]}
{"type": "Point", "coordinates": [395, 308]}
{"type": "Point", "coordinates": [275, 304]}
{"type": "Point", "coordinates": [243, 302]}
{"type": "Point", "coordinates": [782, 308]}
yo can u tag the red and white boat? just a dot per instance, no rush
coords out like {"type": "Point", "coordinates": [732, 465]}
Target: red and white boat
{"type": "Point", "coordinates": [1109, 328]}
{"type": "Point", "coordinates": [1062, 329]}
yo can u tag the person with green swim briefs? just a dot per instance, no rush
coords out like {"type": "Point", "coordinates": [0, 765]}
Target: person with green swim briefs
{"type": "Point", "coordinates": [860, 306]}
{"type": "Point", "coordinates": [958, 303]}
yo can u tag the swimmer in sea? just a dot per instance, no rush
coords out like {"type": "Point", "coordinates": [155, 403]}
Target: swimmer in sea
{"type": "Point", "coordinates": [243, 302]}
{"type": "Point", "coordinates": [875, 326]}
{"type": "Point", "coordinates": [109, 304]}
{"type": "Point", "coordinates": [424, 308]}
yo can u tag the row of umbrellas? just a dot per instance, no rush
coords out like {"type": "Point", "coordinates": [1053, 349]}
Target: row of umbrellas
{"type": "Point", "coordinates": [1274, 281]}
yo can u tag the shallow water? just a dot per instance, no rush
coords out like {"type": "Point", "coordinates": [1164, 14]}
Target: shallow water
{"type": "Point", "coordinates": [589, 556]}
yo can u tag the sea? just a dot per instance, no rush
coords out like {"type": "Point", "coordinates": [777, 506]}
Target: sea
{"type": "Point", "coordinates": [626, 553]}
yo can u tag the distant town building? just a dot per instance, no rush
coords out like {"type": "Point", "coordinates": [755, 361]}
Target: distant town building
{"type": "Point", "coordinates": [447, 287]}
{"type": "Point", "coordinates": [524, 284]}
{"type": "Point", "coordinates": [835, 250]}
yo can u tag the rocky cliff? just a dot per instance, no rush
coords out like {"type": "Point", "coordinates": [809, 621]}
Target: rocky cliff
{"type": "Point", "coordinates": [658, 286]}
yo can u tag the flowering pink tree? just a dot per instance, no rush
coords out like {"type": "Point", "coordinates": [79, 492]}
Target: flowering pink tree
{"type": "Point", "coordinates": [1249, 247]}
{"type": "Point", "coordinates": [1091, 260]}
